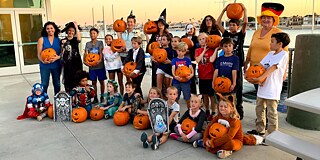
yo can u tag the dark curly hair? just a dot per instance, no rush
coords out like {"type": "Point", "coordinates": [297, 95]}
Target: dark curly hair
{"type": "Point", "coordinates": [44, 32]}
{"type": "Point", "coordinates": [81, 75]}
{"type": "Point", "coordinates": [203, 26]}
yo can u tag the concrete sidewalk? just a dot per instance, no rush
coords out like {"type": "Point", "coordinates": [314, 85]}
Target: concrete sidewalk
{"type": "Point", "coordinates": [30, 139]}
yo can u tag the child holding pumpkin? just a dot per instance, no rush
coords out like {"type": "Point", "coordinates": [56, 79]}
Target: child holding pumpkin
{"type": "Point", "coordinates": [238, 40]}
{"type": "Point", "coordinates": [178, 62]}
{"type": "Point", "coordinates": [174, 108]}
{"type": "Point", "coordinates": [195, 115]}
{"type": "Point", "coordinates": [112, 99]}
{"type": "Point", "coordinates": [205, 58]}
{"type": "Point", "coordinates": [96, 65]}
{"type": "Point", "coordinates": [136, 54]}
{"type": "Point", "coordinates": [83, 93]}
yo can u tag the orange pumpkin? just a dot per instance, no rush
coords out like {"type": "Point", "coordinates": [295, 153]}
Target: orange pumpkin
{"type": "Point", "coordinates": [119, 25]}
{"type": "Point", "coordinates": [79, 115]}
{"type": "Point", "coordinates": [129, 67]}
{"type": "Point", "coordinates": [152, 46]}
{"type": "Point", "coordinates": [92, 58]}
{"type": "Point", "coordinates": [160, 55]}
{"type": "Point", "coordinates": [213, 41]}
{"type": "Point", "coordinates": [183, 72]}
{"type": "Point", "coordinates": [96, 113]}
{"type": "Point", "coordinates": [150, 27]}
{"type": "Point", "coordinates": [255, 71]}
{"type": "Point", "coordinates": [188, 42]}
{"type": "Point", "coordinates": [50, 111]}
{"type": "Point", "coordinates": [141, 122]}
{"type": "Point", "coordinates": [121, 118]}
{"type": "Point", "coordinates": [222, 84]}
{"type": "Point", "coordinates": [217, 130]}
{"type": "Point", "coordinates": [48, 54]}
{"type": "Point", "coordinates": [117, 44]}
{"type": "Point", "coordinates": [187, 125]}
{"type": "Point", "coordinates": [234, 11]}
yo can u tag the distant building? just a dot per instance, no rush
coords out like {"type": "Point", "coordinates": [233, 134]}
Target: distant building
{"type": "Point", "coordinates": [307, 20]}
{"type": "Point", "coordinates": [296, 20]}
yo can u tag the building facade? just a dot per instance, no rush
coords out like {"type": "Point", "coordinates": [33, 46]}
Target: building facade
{"type": "Point", "coordinates": [21, 22]}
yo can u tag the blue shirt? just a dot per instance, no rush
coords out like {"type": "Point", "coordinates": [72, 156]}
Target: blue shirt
{"type": "Point", "coordinates": [127, 38]}
{"type": "Point", "coordinates": [56, 46]}
{"type": "Point", "coordinates": [177, 62]}
{"type": "Point", "coordinates": [167, 68]}
{"type": "Point", "coordinates": [226, 65]}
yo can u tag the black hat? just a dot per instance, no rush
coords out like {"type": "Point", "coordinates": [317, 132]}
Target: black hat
{"type": "Point", "coordinates": [163, 17]}
{"type": "Point", "coordinates": [131, 15]}
{"type": "Point", "coordinates": [70, 25]}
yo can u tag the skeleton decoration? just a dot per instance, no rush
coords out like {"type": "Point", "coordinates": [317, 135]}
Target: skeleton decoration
{"type": "Point", "coordinates": [158, 114]}
{"type": "Point", "coordinates": [62, 107]}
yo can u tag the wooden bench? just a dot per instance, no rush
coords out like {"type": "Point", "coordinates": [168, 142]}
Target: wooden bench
{"type": "Point", "coordinates": [307, 101]}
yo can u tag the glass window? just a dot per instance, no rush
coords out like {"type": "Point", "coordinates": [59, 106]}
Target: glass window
{"type": "Point", "coordinates": [21, 3]}
{"type": "Point", "coordinates": [7, 53]}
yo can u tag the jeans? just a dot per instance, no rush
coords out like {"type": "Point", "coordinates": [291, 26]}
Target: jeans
{"type": "Point", "coordinates": [45, 76]}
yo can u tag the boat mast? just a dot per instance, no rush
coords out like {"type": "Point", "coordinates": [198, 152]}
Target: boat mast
{"type": "Point", "coordinates": [313, 17]}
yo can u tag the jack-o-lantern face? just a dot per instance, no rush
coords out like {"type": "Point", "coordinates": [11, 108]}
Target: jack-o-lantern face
{"type": "Point", "coordinates": [79, 115]}
{"type": "Point", "coordinates": [92, 59]}
{"type": "Point", "coordinates": [187, 125]}
{"type": "Point", "coordinates": [119, 25]}
{"type": "Point", "coordinates": [48, 54]}
{"type": "Point", "coordinates": [141, 122]}
{"type": "Point", "coordinates": [50, 112]}
{"type": "Point", "coordinates": [121, 118]}
{"type": "Point", "coordinates": [255, 71]}
{"type": "Point", "coordinates": [213, 41]}
{"type": "Point", "coordinates": [217, 130]}
{"type": "Point", "coordinates": [160, 55]}
{"type": "Point", "coordinates": [183, 72]}
{"type": "Point", "coordinates": [152, 46]}
{"type": "Point", "coordinates": [234, 11]}
{"type": "Point", "coordinates": [150, 27]}
{"type": "Point", "coordinates": [96, 114]}
{"type": "Point", "coordinates": [222, 84]}
{"type": "Point", "coordinates": [117, 44]}
{"type": "Point", "coordinates": [129, 67]}
{"type": "Point", "coordinates": [188, 42]}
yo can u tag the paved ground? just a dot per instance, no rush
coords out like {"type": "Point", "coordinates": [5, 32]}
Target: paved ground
{"type": "Point", "coordinates": [30, 139]}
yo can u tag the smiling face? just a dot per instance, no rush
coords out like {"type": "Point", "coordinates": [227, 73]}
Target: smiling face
{"type": "Point", "coordinates": [153, 94]}
{"type": "Point", "coordinates": [130, 23]}
{"type": "Point", "coordinates": [50, 30]}
{"type": "Point", "coordinates": [267, 21]}
{"type": "Point", "coordinates": [93, 35]}
{"type": "Point", "coordinates": [164, 42]}
{"type": "Point", "coordinates": [71, 32]}
{"type": "Point", "coordinates": [208, 22]}
{"type": "Point", "coordinates": [175, 42]}
{"type": "Point", "coordinates": [110, 88]}
{"type": "Point", "coordinates": [160, 25]}
{"type": "Point", "coordinates": [108, 40]}
{"type": "Point", "coordinates": [233, 27]}
{"type": "Point", "coordinates": [224, 109]}
{"type": "Point", "coordinates": [129, 89]}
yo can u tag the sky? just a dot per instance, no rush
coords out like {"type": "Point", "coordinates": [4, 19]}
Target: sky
{"type": "Point", "coordinates": [64, 11]}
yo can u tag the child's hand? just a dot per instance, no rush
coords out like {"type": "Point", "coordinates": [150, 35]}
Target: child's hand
{"type": "Point", "coordinates": [207, 143]}
{"type": "Point", "coordinates": [189, 77]}
{"type": "Point", "coordinates": [101, 108]}
{"type": "Point", "coordinates": [87, 88]}
{"type": "Point", "coordinates": [152, 59]}
{"type": "Point", "coordinates": [232, 87]}
{"type": "Point", "coordinates": [167, 61]}
{"type": "Point", "coordinates": [184, 137]}
{"type": "Point", "coordinates": [177, 78]}
{"type": "Point", "coordinates": [132, 74]}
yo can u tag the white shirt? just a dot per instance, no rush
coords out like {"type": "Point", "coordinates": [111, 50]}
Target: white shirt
{"type": "Point", "coordinates": [112, 60]}
{"type": "Point", "coordinates": [175, 107]}
{"type": "Point", "coordinates": [271, 88]}
{"type": "Point", "coordinates": [134, 56]}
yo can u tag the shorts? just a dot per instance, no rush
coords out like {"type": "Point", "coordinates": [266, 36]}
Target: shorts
{"type": "Point", "coordinates": [185, 88]}
{"type": "Point", "coordinates": [160, 71]}
{"type": "Point", "coordinates": [100, 73]}
{"type": "Point", "coordinates": [205, 87]}
{"type": "Point", "coordinates": [114, 71]}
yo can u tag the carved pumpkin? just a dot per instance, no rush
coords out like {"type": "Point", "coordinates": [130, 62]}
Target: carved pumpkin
{"type": "Point", "coordinates": [119, 25]}
{"type": "Point", "coordinates": [152, 46]}
{"type": "Point", "coordinates": [213, 41]}
{"type": "Point", "coordinates": [79, 115]}
{"type": "Point", "coordinates": [92, 58]}
{"type": "Point", "coordinates": [121, 118]}
{"type": "Point", "coordinates": [141, 122]}
{"type": "Point", "coordinates": [150, 27]}
{"type": "Point", "coordinates": [50, 112]}
{"type": "Point", "coordinates": [217, 130]}
{"type": "Point", "coordinates": [183, 72]}
{"type": "Point", "coordinates": [96, 113]}
{"type": "Point", "coordinates": [234, 11]}
{"type": "Point", "coordinates": [255, 71]}
{"type": "Point", "coordinates": [188, 42]}
{"type": "Point", "coordinates": [117, 44]}
{"type": "Point", "coordinates": [222, 84]}
{"type": "Point", "coordinates": [187, 125]}
{"type": "Point", "coordinates": [48, 54]}
{"type": "Point", "coordinates": [159, 54]}
{"type": "Point", "coordinates": [129, 67]}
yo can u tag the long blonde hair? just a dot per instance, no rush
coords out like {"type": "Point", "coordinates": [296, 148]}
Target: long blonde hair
{"type": "Point", "coordinates": [229, 99]}
{"type": "Point", "coordinates": [158, 92]}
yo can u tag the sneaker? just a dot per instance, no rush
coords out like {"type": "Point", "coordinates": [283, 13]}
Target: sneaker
{"type": "Point", "coordinates": [223, 154]}
{"type": "Point", "coordinates": [155, 143]}
{"type": "Point", "coordinates": [174, 136]}
{"type": "Point", "coordinates": [39, 118]}
{"type": "Point", "coordinates": [259, 139]}
{"type": "Point", "coordinates": [106, 116]}
{"type": "Point", "coordinates": [144, 138]}
{"type": "Point", "coordinates": [195, 144]}
{"type": "Point", "coordinates": [255, 132]}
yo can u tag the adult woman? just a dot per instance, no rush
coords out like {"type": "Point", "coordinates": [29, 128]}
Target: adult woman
{"type": "Point", "coordinates": [208, 25]}
{"type": "Point", "coordinates": [71, 58]}
{"type": "Point", "coordinates": [162, 29]}
{"type": "Point", "coordinates": [191, 34]}
{"type": "Point", "coordinates": [49, 39]}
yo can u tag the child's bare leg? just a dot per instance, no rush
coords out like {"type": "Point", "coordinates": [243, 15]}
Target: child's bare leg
{"type": "Point", "coordinates": [213, 104]}
{"type": "Point", "coordinates": [150, 138]}
{"type": "Point", "coordinates": [206, 101]}
{"type": "Point", "coordinates": [164, 138]}
{"type": "Point", "coordinates": [159, 81]}
{"type": "Point", "coordinates": [102, 86]}
{"type": "Point", "coordinates": [188, 103]}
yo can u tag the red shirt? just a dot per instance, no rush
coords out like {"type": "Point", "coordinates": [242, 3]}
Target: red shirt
{"type": "Point", "coordinates": [205, 67]}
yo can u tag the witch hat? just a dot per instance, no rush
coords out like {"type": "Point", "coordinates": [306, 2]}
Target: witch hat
{"type": "Point", "coordinates": [163, 17]}
{"type": "Point", "coordinates": [70, 25]}
{"type": "Point", "coordinates": [131, 15]}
